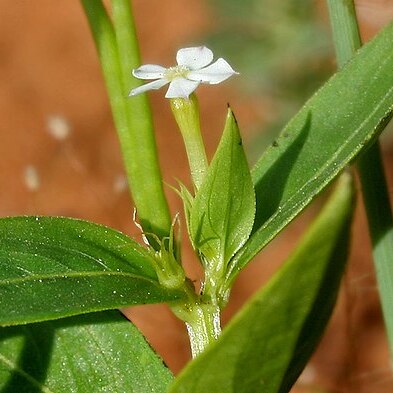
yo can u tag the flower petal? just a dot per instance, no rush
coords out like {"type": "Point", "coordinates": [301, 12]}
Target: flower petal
{"type": "Point", "coordinates": [149, 86]}
{"type": "Point", "coordinates": [181, 88]}
{"type": "Point", "coordinates": [194, 58]}
{"type": "Point", "coordinates": [149, 71]}
{"type": "Point", "coordinates": [215, 73]}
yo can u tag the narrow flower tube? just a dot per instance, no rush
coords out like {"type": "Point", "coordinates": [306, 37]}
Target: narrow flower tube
{"type": "Point", "coordinates": [186, 113]}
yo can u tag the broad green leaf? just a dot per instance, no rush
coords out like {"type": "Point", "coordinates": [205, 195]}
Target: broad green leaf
{"type": "Point", "coordinates": [100, 352]}
{"type": "Point", "coordinates": [265, 346]}
{"type": "Point", "coordinates": [338, 122]}
{"type": "Point", "coordinates": [223, 211]}
{"type": "Point", "coordinates": [52, 267]}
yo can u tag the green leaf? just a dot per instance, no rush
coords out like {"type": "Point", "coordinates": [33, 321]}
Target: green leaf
{"type": "Point", "coordinates": [101, 352]}
{"type": "Point", "coordinates": [338, 122]}
{"type": "Point", "coordinates": [53, 267]}
{"type": "Point", "coordinates": [117, 48]}
{"type": "Point", "coordinates": [375, 190]}
{"type": "Point", "coordinates": [223, 211]}
{"type": "Point", "coordinates": [265, 346]}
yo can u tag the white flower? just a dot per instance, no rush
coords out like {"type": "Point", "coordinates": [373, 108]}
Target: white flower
{"type": "Point", "coordinates": [192, 69]}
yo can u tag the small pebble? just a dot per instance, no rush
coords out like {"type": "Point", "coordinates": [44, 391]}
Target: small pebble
{"type": "Point", "coordinates": [58, 127]}
{"type": "Point", "coordinates": [32, 178]}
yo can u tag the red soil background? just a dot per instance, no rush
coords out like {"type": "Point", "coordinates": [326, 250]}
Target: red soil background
{"type": "Point", "coordinates": [49, 70]}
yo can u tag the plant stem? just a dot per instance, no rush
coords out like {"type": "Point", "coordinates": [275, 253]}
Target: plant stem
{"type": "Point", "coordinates": [373, 182]}
{"type": "Point", "coordinates": [345, 29]}
{"type": "Point", "coordinates": [132, 117]}
{"type": "Point", "coordinates": [186, 113]}
{"type": "Point", "coordinates": [203, 326]}
{"type": "Point", "coordinates": [204, 329]}
{"type": "Point", "coordinates": [380, 223]}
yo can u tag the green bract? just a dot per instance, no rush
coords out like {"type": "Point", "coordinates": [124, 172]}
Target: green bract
{"type": "Point", "coordinates": [223, 211]}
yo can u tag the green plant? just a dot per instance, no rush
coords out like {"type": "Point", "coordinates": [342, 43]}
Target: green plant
{"type": "Point", "coordinates": [52, 268]}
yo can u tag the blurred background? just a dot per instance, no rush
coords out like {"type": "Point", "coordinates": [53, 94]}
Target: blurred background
{"type": "Point", "coordinates": [60, 156]}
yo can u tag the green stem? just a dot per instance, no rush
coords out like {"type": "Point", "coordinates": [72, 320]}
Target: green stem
{"type": "Point", "coordinates": [380, 222]}
{"type": "Point", "coordinates": [203, 325]}
{"type": "Point", "coordinates": [186, 113]}
{"type": "Point", "coordinates": [345, 29]}
{"type": "Point", "coordinates": [132, 117]}
{"type": "Point", "coordinates": [373, 182]}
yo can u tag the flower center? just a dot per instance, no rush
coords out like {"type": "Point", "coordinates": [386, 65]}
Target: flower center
{"type": "Point", "coordinates": [179, 71]}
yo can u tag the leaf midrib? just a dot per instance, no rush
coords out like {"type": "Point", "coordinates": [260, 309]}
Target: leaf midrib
{"type": "Point", "coordinates": [84, 274]}
{"type": "Point", "coordinates": [245, 256]}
